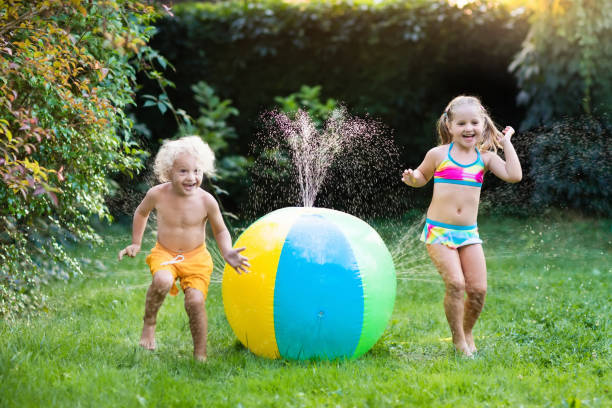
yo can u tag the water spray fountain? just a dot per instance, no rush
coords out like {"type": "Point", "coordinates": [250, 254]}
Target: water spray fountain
{"type": "Point", "coordinates": [322, 282]}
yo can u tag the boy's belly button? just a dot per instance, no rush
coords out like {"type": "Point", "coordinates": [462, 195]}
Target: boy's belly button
{"type": "Point", "coordinates": [459, 211]}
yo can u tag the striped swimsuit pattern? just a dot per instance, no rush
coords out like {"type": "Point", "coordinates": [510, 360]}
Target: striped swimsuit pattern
{"type": "Point", "coordinates": [453, 236]}
{"type": "Point", "coordinates": [450, 171]}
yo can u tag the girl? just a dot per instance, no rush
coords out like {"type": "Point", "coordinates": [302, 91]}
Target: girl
{"type": "Point", "coordinates": [468, 147]}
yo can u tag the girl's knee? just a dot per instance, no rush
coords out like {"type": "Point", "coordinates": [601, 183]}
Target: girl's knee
{"type": "Point", "coordinates": [477, 293]}
{"type": "Point", "coordinates": [455, 287]}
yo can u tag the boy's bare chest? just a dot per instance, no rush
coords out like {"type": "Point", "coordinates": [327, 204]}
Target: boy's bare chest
{"type": "Point", "coordinates": [183, 214]}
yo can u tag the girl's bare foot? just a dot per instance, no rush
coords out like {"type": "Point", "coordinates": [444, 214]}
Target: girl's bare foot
{"type": "Point", "coordinates": [469, 340]}
{"type": "Point", "coordinates": [147, 340]}
{"type": "Point", "coordinates": [462, 347]}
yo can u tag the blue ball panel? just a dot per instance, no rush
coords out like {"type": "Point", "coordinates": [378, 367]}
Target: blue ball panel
{"type": "Point", "coordinates": [312, 319]}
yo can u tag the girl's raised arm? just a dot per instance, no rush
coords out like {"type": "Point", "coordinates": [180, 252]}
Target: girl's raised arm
{"type": "Point", "coordinates": [510, 169]}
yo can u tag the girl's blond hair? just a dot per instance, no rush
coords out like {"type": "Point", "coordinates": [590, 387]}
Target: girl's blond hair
{"type": "Point", "coordinates": [205, 158]}
{"type": "Point", "coordinates": [490, 134]}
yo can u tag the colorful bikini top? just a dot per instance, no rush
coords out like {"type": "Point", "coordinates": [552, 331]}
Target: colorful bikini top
{"type": "Point", "coordinates": [449, 171]}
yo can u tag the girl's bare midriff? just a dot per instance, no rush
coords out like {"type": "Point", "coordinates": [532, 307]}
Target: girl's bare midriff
{"type": "Point", "coordinates": [454, 204]}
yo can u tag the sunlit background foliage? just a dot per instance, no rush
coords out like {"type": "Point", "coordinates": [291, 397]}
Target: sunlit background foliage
{"type": "Point", "coordinates": [68, 74]}
{"type": "Point", "coordinates": [89, 89]}
{"type": "Point", "coordinates": [565, 62]}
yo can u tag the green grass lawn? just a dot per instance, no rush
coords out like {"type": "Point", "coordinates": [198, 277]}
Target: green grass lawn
{"type": "Point", "coordinates": [544, 336]}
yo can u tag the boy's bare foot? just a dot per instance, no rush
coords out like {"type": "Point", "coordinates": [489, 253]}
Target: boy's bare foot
{"type": "Point", "coordinates": [147, 340]}
{"type": "Point", "coordinates": [201, 359]}
{"type": "Point", "coordinates": [469, 340]}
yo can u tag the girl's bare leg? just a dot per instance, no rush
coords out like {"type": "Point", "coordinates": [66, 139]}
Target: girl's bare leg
{"type": "Point", "coordinates": [160, 285]}
{"type": "Point", "coordinates": [475, 274]}
{"type": "Point", "coordinates": [448, 264]}
{"type": "Point", "coordinates": [198, 321]}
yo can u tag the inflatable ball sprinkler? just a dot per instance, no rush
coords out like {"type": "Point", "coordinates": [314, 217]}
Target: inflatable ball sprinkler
{"type": "Point", "coordinates": [321, 286]}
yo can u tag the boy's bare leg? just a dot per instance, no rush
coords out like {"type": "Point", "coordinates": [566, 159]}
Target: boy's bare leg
{"type": "Point", "coordinates": [160, 285]}
{"type": "Point", "coordinates": [198, 321]}
{"type": "Point", "coordinates": [475, 273]}
{"type": "Point", "coordinates": [448, 264]}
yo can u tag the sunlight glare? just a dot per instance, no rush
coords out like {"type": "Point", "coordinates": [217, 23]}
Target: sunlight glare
{"type": "Point", "coordinates": [460, 3]}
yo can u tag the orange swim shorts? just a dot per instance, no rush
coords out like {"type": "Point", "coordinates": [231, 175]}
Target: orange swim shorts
{"type": "Point", "coordinates": [192, 269]}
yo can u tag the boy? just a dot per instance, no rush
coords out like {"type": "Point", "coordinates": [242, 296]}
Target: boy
{"type": "Point", "coordinates": [180, 252]}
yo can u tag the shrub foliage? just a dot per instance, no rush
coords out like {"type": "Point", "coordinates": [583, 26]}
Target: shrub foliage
{"type": "Point", "coordinates": [565, 64]}
{"type": "Point", "coordinates": [565, 165]}
{"type": "Point", "coordinates": [569, 166]}
{"type": "Point", "coordinates": [67, 76]}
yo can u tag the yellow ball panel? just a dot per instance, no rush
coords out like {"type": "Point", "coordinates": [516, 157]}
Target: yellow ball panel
{"type": "Point", "coordinates": [249, 298]}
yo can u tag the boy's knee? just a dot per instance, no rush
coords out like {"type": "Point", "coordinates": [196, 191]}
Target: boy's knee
{"type": "Point", "coordinates": [162, 281]}
{"type": "Point", "coordinates": [194, 299]}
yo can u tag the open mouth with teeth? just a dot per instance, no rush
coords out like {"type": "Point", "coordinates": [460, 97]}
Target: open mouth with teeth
{"type": "Point", "coordinates": [189, 186]}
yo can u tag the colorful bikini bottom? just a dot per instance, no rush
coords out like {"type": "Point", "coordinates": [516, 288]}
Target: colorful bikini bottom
{"type": "Point", "coordinates": [453, 236]}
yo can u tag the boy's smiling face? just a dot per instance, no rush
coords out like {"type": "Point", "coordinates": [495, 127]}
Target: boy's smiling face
{"type": "Point", "coordinates": [185, 174]}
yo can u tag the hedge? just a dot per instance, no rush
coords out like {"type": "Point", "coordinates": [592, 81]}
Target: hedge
{"type": "Point", "coordinates": [401, 62]}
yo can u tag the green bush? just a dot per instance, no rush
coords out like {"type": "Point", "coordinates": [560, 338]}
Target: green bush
{"type": "Point", "coordinates": [565, 165]}
{"type": "Point", "coordinates": [68, 73]}
{"type": "Point", "coordinates": [565, 65]}
{"type": "Point", "coordinates": [401, 62]}
{"type": "Point", "coordinates": [570, 166]}
{"type": "Point", "coordinates": [212, 126]}
{"type": "Point", "coordinates": [308, 99]}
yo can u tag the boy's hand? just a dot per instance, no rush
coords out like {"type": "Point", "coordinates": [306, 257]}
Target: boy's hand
{"type": "Point", "coordinates": [130, 250]}
{"type": "Point", "coordinates": [408, 177]}
{"type": "Point", "coordinates": [237, 261]}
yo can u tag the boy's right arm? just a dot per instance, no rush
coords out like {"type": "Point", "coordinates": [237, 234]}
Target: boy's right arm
{"type": "Point", "coordinates": [141, 215]}
{"type": "Point", "coordinates": [421, 175]}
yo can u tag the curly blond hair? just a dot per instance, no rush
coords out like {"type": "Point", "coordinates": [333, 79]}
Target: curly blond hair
{"type": "Point", "coordinates": [188, 144]}
{"type": "Point", "coordinates": [491, 136]}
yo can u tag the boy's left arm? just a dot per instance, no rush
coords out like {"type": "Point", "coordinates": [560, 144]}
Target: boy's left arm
{"type": "Point", "coordinates": [224, 240]}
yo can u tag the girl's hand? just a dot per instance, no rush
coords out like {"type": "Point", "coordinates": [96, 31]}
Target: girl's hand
{"type": "Point", "coordinates": [130, 250]}
{"type": "Point", "coordinates": [508, 132]}
{"type": "Point", "coordinates": [408, 177]}
{"type": "Point", "coordinates": [237, 261]}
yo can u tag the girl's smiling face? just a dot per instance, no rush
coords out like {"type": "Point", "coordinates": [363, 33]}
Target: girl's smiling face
{"type": "Point", "coordinates": [185, 174]}
{"type": "Point", "coordinates": [467, 125]}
